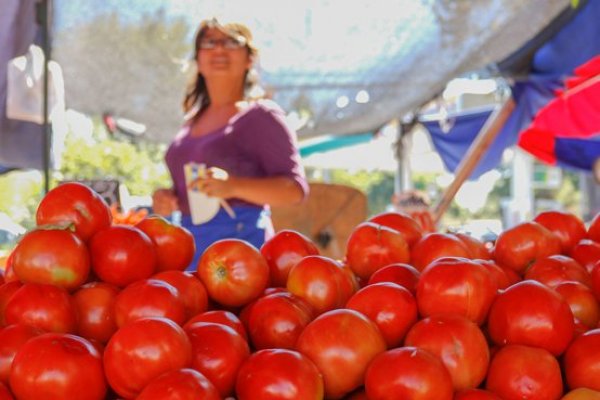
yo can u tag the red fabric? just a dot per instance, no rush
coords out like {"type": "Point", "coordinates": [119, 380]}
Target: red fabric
{"type": "Point", "coordinates": [575, 113]}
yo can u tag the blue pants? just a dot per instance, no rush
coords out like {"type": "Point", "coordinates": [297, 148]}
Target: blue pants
{"type": "Point", "coordinates": [252, 224]}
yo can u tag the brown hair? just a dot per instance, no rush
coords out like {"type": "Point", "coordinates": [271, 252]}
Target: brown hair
{"type": "Point", "coordinates": [196, 94]}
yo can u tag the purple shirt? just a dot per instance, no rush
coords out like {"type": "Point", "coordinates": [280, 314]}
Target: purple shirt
{"type": "Point", "coordinates": [255, 143]}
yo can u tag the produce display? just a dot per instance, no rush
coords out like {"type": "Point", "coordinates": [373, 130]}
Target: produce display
{"type": "Point", "coordinates": [98, 307]}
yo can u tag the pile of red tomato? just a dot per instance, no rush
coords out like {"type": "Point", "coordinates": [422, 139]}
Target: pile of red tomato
{"type": "Point", "coordinates": [91, 309]}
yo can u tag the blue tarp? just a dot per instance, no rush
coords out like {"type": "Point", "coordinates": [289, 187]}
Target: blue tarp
{"type": "Point", "coordinates": [575, 43]}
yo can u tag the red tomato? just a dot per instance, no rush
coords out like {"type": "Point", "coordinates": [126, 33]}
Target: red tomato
{"type": "Point", "coordinates": [224, 317]}
{"type": "Point", "coordinates": [524, 372]}
{"type": "Point", "coordinates": [401, 222]}
{"type": "Point", "coordinates": [456, 285]}
{"type": "Point", "coordinates": [582, 394]}
{"type": "Point", "coordinates": [122, 255]}
{"type": "Point", "coordinates": [475, 394]}
{"type": "Point", "coordinates": [458, 342]}
{"type": "Point", "coordinates": [372, 246]}
{"type": "Point", "coordinates": [272, 374]}
{"type": "Point", "coordinates": [594, 276]}
{"type": "Point", "coordinates": [499, 275]}
{"type": "Point", "coordinates": [530, 313]}
{"type": "Point", "coordinates": [6, 292]}
{"type": "Point", "coordinates": [408, 373]}
{"type": "Point", "coordinates": [436, 245]}
{"type": "Point", "coordinates": [404, 275]}
{"type": "Point", "coordinates": [53, 256]}
{"type": "Point", "coordinates": [582, 361]}
{"type": "Point", "coordinates": [556, 269]}
{"type": "Point", "coordinates": [148, 298]}
{"type": "Point", "coordinates": [233, 272]}
{"type": "Point", "coordinates": [143, 350]}
{"type": "Point", "coordinates": [569, 228]}
{"type": "Point", "coordinates": [182, 384]}
{"type": "Point", "coordinates": [586, 253]}
{"type": "Point", "coordinates": [593, 230]}
{"type": "Point", "coordinates": [77, 204]}
{"type": "Point", "coordinates": [46, 307]}
{"type": "Point", "coordinates": [582, 302]}
{"type": "Point", "coordinates": [283, 251]}
{"type": "Point", "coordinates": [58, 366]}
{"type": "Point", "coordinates": [191, 290]}
{"type": "Point", "coordinates": [276, 320]}
{"type": "Point", "coordinates": [5, 393]}
{"type": "Point", "coordinates": [94, 303]}
{"type": "Point", "coordinates": [341, 343]}
{"type": "Point", "coordinates": [174, 245]}
{"type": "Point", "coordinates": [12, 338]}
{"type": "Point", "coordinates": [476, 247]}
{"type": "Point", "coordinates": [518, 247]}
{"type": "Point", "coordinates": [319, 280]}
{"type": "Point", "coordinates": [218, 353]}
{"type": "Point", "coordinates": [392, 308]}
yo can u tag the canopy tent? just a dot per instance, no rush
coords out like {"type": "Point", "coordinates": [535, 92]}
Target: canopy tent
{"type": "Point", "coordinates": [340, 68]}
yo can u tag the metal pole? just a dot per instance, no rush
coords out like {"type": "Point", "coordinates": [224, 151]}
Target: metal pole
{"type": "Point", "coordinates": [42, 20]}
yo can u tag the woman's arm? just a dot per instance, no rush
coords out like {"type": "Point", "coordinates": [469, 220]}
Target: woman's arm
{"type": "Point", "coordinates": [276, 191]}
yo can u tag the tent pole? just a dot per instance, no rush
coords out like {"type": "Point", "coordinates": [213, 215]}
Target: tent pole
{"type": "Point", "coordinates": [482, 142]}
{"type": "Point", "coordinates": [42, 20]}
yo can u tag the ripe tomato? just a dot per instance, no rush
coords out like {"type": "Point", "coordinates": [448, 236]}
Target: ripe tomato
{"type": "Point", "coordinates": [12, 338]}
{"type": "Point", "coordinates": [456, 285]}
{"type": "Point", "coordinates": [401, 222]}
{"type": "Point", "coordinates": [404, 275]}
{"type": "Point", "coordinates": [6, 292]}
{"type": "Point", "coordinates": [372, 246]}
{"type": "Point", "coordinates": [341, 343]}
{"type": "Point", "coordinates": [407, 373]}
{"type": "Point", "coordinates": [518, 247]}
{"type": "Point", "coordinates": [582, 361]}
{"type": "Point", "coordinates": [283, 251]}
{"type": "Point", "coordinates": [276, 320]}
{"type": "Point", "coordinates": [53, 256]}
{"type": "Point", "coordinates": [556, 269]}
{"type": "Point", "coordinates": [279, 374]}
{"type": "Point", "coordinates": [392, 308]}
{"type": "Point", "coordinates": [148, 298]}
{"type": "Point", "coordinates": [174, 245]}
{"type": "Point", "coordinates": [499, 275]}
{"type": "Point", "coordinates": [530, 313]}
{"type": "Point", "coordinates": [593, 230]}
{"type": "Point", "coordinates": [77, 204]}
{"type": "Point", "coordinates": [569, 228]}
{"type": "Point", "coordinates": [524, 372]}
{"type": "Point", "coordinates": [436, 245]}
{"type": "Point", "coordinates": [320, 281]}
{"type": "Point", "coordinates": [476, 247]}
{"type": "Point", "coordinates": [218, 353]}
{"type": "Point", "coordinates": [582, 302]}
{"type": "Point", "coordinates": [143, 350]}
{"type": "Point", "coordinates": [58, 366]}
{"type": "Point", "coordinates": [185, 383]}
{"type": "Point", "coordinates": [94, 303]}
{"type": "Point", "coordinates": [191, 290]}
{"type": "Point", "coordinates": [233, 272]}
{"type": "Point", "coordinates": [224, 317]}
{"type": "Point", "coordinates": [47, 307]}
{"type": "Point", "coordinates": [476, 394]}
{"type": "Point", "coordinates": [122, 255]}
{"type": "Point", "coordinates": [458, 342]}
{"type": "Point", "coordinates": [582, 394]}
{"type": "Point", "coordinates": [586, 253]}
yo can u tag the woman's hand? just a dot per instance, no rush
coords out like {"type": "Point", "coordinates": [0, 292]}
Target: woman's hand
{"type": "Point", "coordinates": [164, 202]}
{"type": "Point", "coordinates": [215, 183]}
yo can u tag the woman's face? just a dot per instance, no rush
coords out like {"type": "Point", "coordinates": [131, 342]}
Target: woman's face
{"type": "Point", "coordinates": [220, 55]}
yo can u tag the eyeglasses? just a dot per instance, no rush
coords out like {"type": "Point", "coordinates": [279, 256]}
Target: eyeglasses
{"type": "Point", "coordinates": [227, 43]}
